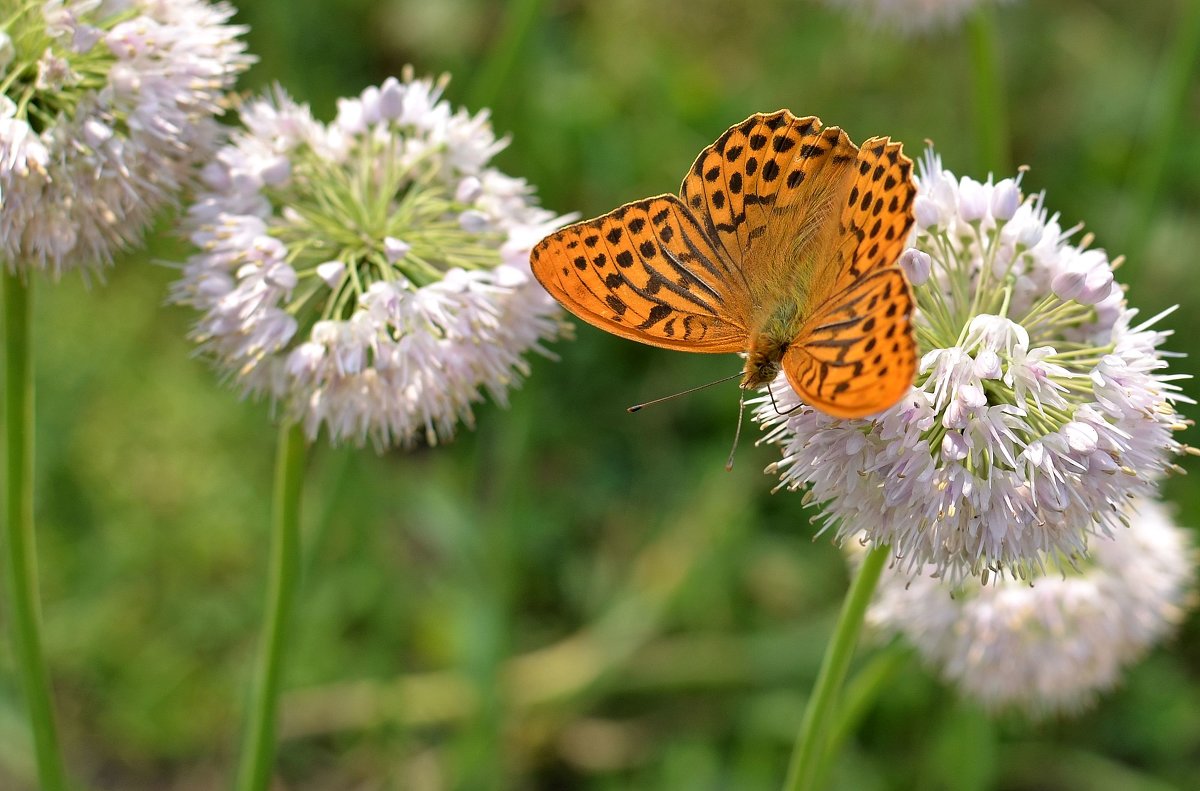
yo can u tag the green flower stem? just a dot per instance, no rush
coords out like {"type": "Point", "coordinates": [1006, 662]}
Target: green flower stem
{"type": "Point", "coordinates": [991, 116]}
{"type": "Point", "coordinates": [862, 691]}
{"type": "Point", "coordinates": [21, 557]}
{"type": "Point", "coordinates": [258, 750]}
{"type": "Point", "coordinates": [497, 68]}
{"type": "Point", "coordinates": [1170, 104]}
{"type": "Point", "coordinates": [808, 756]}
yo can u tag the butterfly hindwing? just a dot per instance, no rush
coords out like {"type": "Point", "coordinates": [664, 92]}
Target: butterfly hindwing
{"type": "Point", "coordinates": [856, 355]}
{"type": "Point", "coordinates": [647, 272]}
{"type": "Point", "coordinates": [877, 214]}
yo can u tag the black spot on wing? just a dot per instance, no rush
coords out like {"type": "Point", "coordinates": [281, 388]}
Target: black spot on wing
{"type": "Point", "coordinates": [616, 304]}
{"type": "Point", "coordinates": [657, 314]}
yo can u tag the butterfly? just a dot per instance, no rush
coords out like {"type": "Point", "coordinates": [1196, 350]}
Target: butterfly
{"type": "Point", "coordinates": [781, 245]}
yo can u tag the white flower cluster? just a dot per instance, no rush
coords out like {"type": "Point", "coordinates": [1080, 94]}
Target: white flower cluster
{"type": "Point", "coordinates": [106, 109]}
{"type": "Point", "coordinates": [910, 16]}
{"type": "Point", "coordinates": [371, 275]}
{"type": "Point", "coordinates": [1054, 643]}
{"type": "Point", "coordinates": [1040, 408]}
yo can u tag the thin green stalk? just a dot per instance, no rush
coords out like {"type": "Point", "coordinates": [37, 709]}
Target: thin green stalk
{"type": "Point", "coordinates": [21, 555]}
{"type": "Point", "coordinates": [808, 756]}
{"type": "Point", "coordinates": [258, 749]}
{"type": "Point", "coordinates": [861, 692]}
{"type": "Point", "coordinates": [990, 107]}
{"type": "Point", "coordinates": [1170, 103]}
{"type": "Point", "coordinates": [497, 68]}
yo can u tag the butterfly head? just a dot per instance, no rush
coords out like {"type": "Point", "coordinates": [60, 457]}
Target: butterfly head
{"type": "Point", "coordinates": [762, 361]}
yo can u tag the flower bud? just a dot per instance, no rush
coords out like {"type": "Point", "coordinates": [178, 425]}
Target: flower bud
{"type": "Point", "coordinates": [916, 265]}
{"type": "Point", "coordinates": [1068, 284]}
{"type": "Point", "coordinates": [469, 190]}
{"type": "Point", "coordinates": [331, 272]}
{"type": "Point", "coordinates": [370, 106]}
{"type": "Point", "coordinates": [1080, 437]}
{"type": "Point", "coordinates": [391, 99]}
{"type": "Point", "coordinates": [926, 213]}
{"type": "Point", "coordinates": [276, 171]}
{"type": "Point", "coordinates": [972, 200]}
{"type": "Point", "coordinates": [954, 446]}
{"type": "Point", "coordinates": [1097, 285]}
{"type": "Point", "coordinates": [987, 364]}
{"type": "Point", "coordinates": [395, 249]}
{"type": "Point", "coordinates": [1006, 199]}
{"type": "Point", "coordinates": [474, 221]}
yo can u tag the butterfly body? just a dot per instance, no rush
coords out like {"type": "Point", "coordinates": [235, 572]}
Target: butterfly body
{"type": "Point", "coordinates": [763, 360]}
{"type": "Point", "coordinates": [781, 246]}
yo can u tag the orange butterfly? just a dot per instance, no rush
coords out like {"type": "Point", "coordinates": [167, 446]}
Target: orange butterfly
{"type": "Point", "coordinates": [782, 245]}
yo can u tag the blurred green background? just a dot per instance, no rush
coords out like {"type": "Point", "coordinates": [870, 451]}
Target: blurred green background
{"type": "Point", "coordinates": [569, 596]}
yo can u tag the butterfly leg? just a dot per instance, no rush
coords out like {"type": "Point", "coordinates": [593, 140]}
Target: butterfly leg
{"type": "Point", "coordinates": [779, 411]}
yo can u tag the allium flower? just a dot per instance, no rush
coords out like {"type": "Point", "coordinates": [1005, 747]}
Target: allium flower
{"type": "Point", "coordinates": [1055, 642]}
{"type": "Point", "coordinates": [910, 16]}
{"type": "Point", "coordinates": [106, 109]}
{"type": "Point", "coordinates": [370, 275]}
{"type": "Point", "coordinates": [1040, 407]}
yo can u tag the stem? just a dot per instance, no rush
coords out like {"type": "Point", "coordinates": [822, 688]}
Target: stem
{"type": "Point", "coordinates": [258, 750]}
{"type": "Point", "coordinates": [1170, 103]}
{"type": "Point", "coordinates": [21, 557]}
{"type": "Point", "coordinates": [991, 124]}
{"type": "Point", "coordinates": [861, 692]}
{"type": "Point", "coordinates": [808, 754]}
{"type": "Point", "coordinates": [518, 21]}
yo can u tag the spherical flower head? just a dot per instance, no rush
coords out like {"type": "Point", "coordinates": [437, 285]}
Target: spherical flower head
{"type": "Point", "coordinates": [1041, 406]}
{"type": "Point", "coordinates": [1052, 643]}
{"type": "Point", "coordinates": [106, 110]}
{"type": "Point", "coordinates": [910, 16]}
{"type": "Point", "coordinates": [371, 275]}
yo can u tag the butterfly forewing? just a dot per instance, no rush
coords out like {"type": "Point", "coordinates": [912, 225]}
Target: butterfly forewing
{"type": "Point", "coordinates": [767, 192]}
{"type": "Point", "coordinates": [857, 355]}
{"type": "Point", "coordinates": [647, 272]}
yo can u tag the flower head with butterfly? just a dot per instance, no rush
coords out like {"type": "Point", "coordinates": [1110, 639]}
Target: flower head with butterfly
{"type": "Point", "coordinates": [1041, 405]}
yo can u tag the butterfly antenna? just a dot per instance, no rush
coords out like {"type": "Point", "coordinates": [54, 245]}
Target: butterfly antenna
{"type": "Point", "coordinates": [737, 434]}
{"type": "Point", "coordinates": [637, 407]}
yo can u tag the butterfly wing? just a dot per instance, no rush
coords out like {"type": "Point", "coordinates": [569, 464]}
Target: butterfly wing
{"type": "Point", "coordinates": [877, 214]}
{"type": "Point", "coordinates": [647, 272]}
{"type": "Point", "coordinates": [856, 355]}
{"type": "Point", "coordinates": [769, 192]}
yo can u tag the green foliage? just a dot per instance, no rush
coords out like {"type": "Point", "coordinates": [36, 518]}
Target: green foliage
{"type": "Point", "coordinates": [569, 596]}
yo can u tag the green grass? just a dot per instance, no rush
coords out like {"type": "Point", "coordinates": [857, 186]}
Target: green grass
{"type": "Point", "coordinates": [570, 596]}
